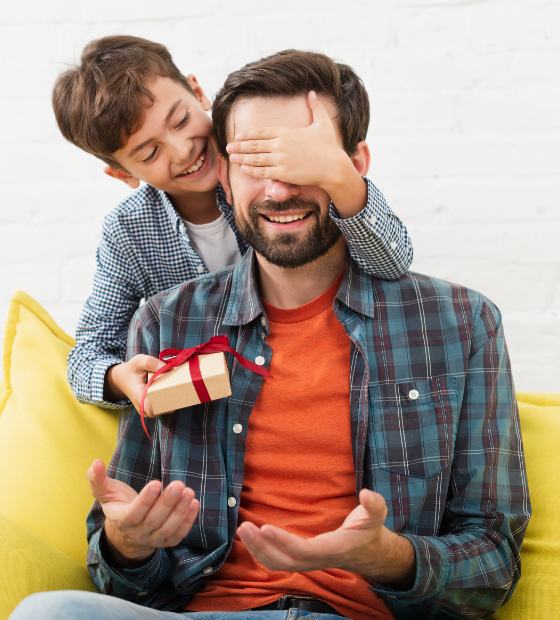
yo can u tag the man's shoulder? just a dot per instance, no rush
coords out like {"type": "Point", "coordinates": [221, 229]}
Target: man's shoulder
{"type": "Point", "coordinates": [142, 208]}
{"type": "Point", "coordinates": [428, 295]}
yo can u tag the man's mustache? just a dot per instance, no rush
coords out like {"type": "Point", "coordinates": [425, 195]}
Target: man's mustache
{"type": "Point", "coordinates": [292, 204]}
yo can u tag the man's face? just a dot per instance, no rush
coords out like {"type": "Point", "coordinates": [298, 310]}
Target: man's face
{"type": "Point", "coordinates": [289, 225]}
{"type": "Point", "coordinates": [175, 137]}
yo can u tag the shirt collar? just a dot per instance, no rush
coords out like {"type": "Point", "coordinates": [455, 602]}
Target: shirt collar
{"type": "Point", "coordinates": [355, 292]}
{"type": "Point", "coordinates": [175, 218]}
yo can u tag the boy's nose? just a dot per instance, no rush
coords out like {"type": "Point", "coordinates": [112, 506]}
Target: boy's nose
{"type": "Point", "coordinates": [280, 191]}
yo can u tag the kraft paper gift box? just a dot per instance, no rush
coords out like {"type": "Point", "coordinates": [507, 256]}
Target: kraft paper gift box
{"type": "Point", "coordinates": [175, 389]}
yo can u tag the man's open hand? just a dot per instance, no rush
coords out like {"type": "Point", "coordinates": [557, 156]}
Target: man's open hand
{"type": "Point", "coordinates": [362, 544]}
{"type": "Point", "coordinates": [136, 524]}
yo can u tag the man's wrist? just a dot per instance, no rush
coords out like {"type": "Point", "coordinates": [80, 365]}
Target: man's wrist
{"type": "Point", "coordinates": [398, 567]}
{"type": "Point", "coordinates": [121, 556]}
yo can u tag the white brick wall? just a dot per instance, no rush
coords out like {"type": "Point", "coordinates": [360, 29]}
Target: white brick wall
{"type": "Point", "coordinates": [465, 137]}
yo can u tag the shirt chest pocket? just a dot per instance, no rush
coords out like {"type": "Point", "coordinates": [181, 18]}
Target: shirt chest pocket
{"type": "Point", "coordinates": [415, 425]}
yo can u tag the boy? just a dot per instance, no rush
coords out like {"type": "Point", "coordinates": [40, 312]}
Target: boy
{"type": "Point", "coordinates": [128, 104]}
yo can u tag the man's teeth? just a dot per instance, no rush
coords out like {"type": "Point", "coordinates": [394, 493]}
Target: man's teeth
{"type": "Point", "coordinates": [286, 218]}
{"type": "Point", "coordinates": [197, 166]}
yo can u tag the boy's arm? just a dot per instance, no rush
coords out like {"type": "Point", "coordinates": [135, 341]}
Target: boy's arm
{"type": "Point", "coordinates": [103, 325]}
{"type": "Point", "coordinates": [376, 238]}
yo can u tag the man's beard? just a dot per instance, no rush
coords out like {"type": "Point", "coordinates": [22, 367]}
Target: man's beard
{"type": "Point", "coordinates": [289, 249]}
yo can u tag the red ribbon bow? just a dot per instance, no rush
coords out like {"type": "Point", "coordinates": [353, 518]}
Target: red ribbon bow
{"type": "Point", "coordinates": [216, 344]}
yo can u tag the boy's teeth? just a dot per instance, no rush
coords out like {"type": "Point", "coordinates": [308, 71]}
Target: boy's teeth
{"type": "Point", "coordinates": [198, 164]}
{"type": "Point", "coordinates": [286, 218]}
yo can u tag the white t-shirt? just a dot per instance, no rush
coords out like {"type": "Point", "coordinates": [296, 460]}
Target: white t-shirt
{"type": "Point", "coordinates": [215, 243]}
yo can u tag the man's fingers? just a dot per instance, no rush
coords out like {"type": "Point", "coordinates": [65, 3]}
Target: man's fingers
{"type": "Point", "coordinates": [139, 507]}
{"type": "Point", "coordinates": [163, 506]}
{"type": "Point", "coordinates": [186, 524]}
{"type": "Point", "coordinates": [175, 518]}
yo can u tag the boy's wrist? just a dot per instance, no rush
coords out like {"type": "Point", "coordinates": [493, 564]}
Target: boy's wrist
{"type": "Point", "coordinates": [111, 390]}
{"type": "Point", "coordinates": [346, 187]}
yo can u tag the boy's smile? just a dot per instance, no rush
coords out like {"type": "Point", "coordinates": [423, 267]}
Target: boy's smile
{"type": "Point", "coordinates": [174, 149]}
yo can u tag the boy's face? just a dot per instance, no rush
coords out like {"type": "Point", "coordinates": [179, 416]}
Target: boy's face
{"type": "Point", "coordinates": [289, 225]}
{"type": "Point", "coordinates": [174, 150]}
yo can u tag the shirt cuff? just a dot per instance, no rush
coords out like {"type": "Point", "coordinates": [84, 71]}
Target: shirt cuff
{"type": "Point", "coordinates": [432, 572]}
{"type": "Point", "coordinates": [136, 585]}
{"type": "Point", "coordinates": [375, 217]}
{"type": "Point", "coordinates": [100, 368]}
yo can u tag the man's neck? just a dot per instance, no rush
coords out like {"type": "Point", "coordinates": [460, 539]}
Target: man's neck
{"type": "Point", "coordinates": [292, 288]}
{"type": "Point", "coordinates": [197, 207]}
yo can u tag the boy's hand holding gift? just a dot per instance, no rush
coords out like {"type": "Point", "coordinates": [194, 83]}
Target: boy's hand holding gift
{"type": "Point", "coordinates": [311, 155]}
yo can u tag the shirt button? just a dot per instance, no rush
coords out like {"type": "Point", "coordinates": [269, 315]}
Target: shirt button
{"type": "Point", "coordinates": [413, 394]}
{"type": "Point", "coordinates": [200, 269]}
{"type": "Point", "coordinates": [237, 428]}
{"type": "Point", "coordinates": [372, 220]}
{"type": "Point", "coordinates": [393, 245]}
{"type": "Point", "coordinates": [263, 321]}
{"type": "Point", "coordinates": [207, 570]}
{"type": "Point", "coordinates": [231, 502]}
{"type": "Point", "coordinates": [259, 360]}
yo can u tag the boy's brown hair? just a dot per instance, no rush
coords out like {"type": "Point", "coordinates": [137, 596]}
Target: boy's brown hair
{"type": "Point", "coordinates": [100, 103]}
{"type": "Point", "coordinates": [291, 73]}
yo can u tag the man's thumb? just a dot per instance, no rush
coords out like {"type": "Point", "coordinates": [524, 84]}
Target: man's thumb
{"type": "Point", "coordinates": [375, 506]}
{"type": "Point", "coordinates": [97, 479]}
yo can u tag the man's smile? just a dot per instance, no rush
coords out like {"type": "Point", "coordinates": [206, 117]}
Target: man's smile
{"type": "Point", "coordinates": [286, 220]}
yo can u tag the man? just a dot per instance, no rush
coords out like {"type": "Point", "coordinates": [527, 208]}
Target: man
{"type": "Point", "coordinates": [378, 474]}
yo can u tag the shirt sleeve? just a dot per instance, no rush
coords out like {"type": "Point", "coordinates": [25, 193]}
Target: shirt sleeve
{"type": "Point", "coordinates": [472, 568]}
{"type": "Point", "coordinates": [103, 325]}
{"type": "Point", "coordinates": [377, 239]}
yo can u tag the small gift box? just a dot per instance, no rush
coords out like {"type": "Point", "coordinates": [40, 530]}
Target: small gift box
{"type": "Point", "coordinates": [193, 376]}
{"type": "Point", "coordinates": [176, 389]}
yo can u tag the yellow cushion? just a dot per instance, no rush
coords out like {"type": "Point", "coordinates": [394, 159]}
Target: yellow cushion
{"type": "Point", "coordinates": [47, 439]}
{"type": "Point", "coordinates": [29, 565]}
{"type": "Point", "coordinates": [537, 596]}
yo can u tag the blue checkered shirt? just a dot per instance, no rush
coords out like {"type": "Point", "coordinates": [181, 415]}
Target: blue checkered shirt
{"type": "Point", "coordinates": [145, 249]}
{"type": "Point", "coordinates": [435, 431]}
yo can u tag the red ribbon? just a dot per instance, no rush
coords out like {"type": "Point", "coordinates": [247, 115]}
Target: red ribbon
{"type": "Point", "coordinates": [216, 344]}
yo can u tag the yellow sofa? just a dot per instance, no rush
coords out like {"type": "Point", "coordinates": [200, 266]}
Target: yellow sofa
{"type": "Point", "coordinates": [48, 440]}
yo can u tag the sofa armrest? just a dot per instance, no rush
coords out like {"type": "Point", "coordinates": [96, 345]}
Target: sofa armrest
{"type": "Point", "coordinates": [29, 565]}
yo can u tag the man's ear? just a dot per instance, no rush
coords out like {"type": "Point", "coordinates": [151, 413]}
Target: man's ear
{"type": "Point", "coordinates": [123, 176]}
{"type": "Point", "coordinates": [202, 98]}
{"type": "Point", "coordinates": [223, 177]}
{"type": "Point", "coordinates": [361, 158]}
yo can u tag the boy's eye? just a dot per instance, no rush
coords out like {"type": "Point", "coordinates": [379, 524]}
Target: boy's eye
{"type": "Point", "coordinates": [151, 156]}
{"type": "Point", "coordinates": [184, 121]}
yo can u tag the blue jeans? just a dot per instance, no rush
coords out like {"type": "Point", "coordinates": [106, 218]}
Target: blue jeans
{"type": "Point", "coordinates": [77, 605]}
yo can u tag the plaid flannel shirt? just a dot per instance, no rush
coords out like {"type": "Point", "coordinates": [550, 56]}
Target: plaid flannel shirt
{"type": "Point", "coordinates": [434, 424]}
{"type": "Point", "coordinates": [145, 249]}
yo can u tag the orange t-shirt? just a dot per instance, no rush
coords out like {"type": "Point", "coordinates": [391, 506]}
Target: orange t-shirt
{"type": "Point", "coordinates": [299, 470]}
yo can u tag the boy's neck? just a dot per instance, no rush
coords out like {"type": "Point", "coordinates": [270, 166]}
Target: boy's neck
{"type": "Point", "coordinates": [197, 207]}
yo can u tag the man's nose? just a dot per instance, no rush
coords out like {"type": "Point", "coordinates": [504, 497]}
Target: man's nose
{"type": "Point", "coordinates": [280, 191]}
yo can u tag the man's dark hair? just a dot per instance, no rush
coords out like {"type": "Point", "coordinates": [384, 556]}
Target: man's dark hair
{"type": "Point", "coordinates": [291, 73]}
{"type": "Point", "coordinates": [100, 103]}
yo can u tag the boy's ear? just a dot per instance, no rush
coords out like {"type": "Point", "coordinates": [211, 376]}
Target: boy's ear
{"type": "Point", "coordinates": [361, 158]}
{"type": "Point", "coordinates": [223, 177]}
{"type": "Point", "coordinates": [202, 98]}
{"type": "Point", "coordinates": [123, 176]}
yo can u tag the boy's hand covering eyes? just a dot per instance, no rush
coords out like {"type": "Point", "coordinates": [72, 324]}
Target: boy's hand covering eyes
{"type": "Point", "coordinates": [136, 524]}
{"type": "Point", "coordinates": [300, 156]}
{"type": "Point", "coordinates": [128, 380]}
